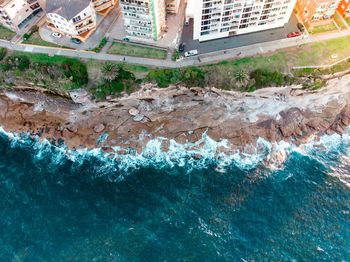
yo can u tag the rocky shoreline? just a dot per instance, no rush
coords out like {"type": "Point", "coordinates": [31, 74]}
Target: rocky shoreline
{"type": "Point", "coordinates": [287, 113]}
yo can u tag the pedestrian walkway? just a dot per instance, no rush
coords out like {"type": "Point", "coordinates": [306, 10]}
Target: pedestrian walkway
{"type": "Point", "coordinates": [229, 54]}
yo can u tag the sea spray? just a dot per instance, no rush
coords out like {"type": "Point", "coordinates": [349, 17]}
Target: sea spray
{"type": "Point", "coordinates": [190, 156]}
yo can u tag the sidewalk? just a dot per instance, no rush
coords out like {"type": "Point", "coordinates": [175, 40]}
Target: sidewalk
{"type": "Point", "coordinates": [235, 53]}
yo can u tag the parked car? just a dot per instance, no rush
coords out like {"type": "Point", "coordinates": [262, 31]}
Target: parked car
{"type": "Point", "coordinates": [181, 47]}
{"type": "Point", "coordinates": [191, 53]}
{"type": "Point", "coordinates": [293, 34]}
{"type": "Point", "coordinates": [126, 39]}
{"type": "Point", "coordinates": [301, 27]}
{"type": "Point", "coordinates": [75, 41]}
{"type": "Point", "coordinates": [57, 35]}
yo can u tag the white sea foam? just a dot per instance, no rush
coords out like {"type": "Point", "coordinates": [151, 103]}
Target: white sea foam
{"type": "Point", "coordinates": [191, 156]}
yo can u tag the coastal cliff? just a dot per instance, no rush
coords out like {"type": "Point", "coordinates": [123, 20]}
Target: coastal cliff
{"type": "Point", "coordinates": [287, 113]}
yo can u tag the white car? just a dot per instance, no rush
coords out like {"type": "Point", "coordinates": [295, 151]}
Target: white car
{"type": "Point", "coordinates": [57, 35]}
{"type": "Point", "coordinates": [191, 53]}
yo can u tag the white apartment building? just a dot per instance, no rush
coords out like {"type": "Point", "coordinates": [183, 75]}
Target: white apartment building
{"type": "Point", "coordinates": [14, 14]}
{"type": "Point", "coordinates": [222, 18]}
{"type": "Point", "coordinates": [144, 18]}
{"type": "Point", "coordinates": [75, 18]}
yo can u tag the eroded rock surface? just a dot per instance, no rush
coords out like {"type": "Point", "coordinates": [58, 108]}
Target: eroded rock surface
{"type": "Point", "coordinates": [275, 114]}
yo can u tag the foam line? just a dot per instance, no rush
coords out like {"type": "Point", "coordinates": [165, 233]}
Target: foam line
{"type": "Point", "coordinates": [202, 154]}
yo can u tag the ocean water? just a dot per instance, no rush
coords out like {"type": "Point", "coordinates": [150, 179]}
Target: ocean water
{"type": "Point", "coordinates": [86, 206]}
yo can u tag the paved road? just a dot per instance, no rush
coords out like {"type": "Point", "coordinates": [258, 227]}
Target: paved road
{"type": "Point", "coordinates": [213, 57]}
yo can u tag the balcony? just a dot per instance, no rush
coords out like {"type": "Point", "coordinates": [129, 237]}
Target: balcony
{"type": "Point", "coordinates": [83, 36]}
{"type": "Point", "coordinates": [82, 20]}
{"type": "Point", "coordinates": [103, 7]}
{"type": "Point", "coordinates": [84, 25]}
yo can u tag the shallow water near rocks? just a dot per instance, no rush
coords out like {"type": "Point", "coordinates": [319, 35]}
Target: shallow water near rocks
{"type": "Point", "coordinates": [56, 207]}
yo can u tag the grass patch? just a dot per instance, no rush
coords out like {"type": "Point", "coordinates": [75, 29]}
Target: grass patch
{"type": "Point", "coordinates": [43, 58]}
{"type": "Point", "coordinates": [320, 53]}
{"type": "Point", "coordinates": [6, 33]}
{"type": "Point", "coordinates": [35, 39]}
{"type": "Point", "coordinates": [128, 49]}
{"type": "Point", "coordinates": [323, 28]}
{"type": "Point", "coordinates": [316, 72]}
{"type": "Point", "coordinates": [338, 19]}
{"type": "Point", "coordinates": [190, 76]}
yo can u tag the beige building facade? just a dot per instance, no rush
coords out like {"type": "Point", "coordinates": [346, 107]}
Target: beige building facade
{"type": "Point", "coordinates": [316, 12]}
{"type": "Point", "coordinates": [15, 14]}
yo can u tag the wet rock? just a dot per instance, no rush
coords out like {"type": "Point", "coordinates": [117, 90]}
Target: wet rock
{"type": "Point", "coordinates": [276, 159]}
{"type": "Point", "coordinates": [138, 118]}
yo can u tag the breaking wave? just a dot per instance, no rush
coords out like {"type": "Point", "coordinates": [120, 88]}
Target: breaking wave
{"type": "Point", "coordinates": [330, 150]}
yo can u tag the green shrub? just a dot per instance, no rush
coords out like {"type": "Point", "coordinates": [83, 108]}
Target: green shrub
{"type": "Point", "coordinates": [176, 55]}
{"type": "Point", "coordinates": [20, 62]}
{"type": "Point", "coordinates": [193, 76]}
{"type": "Point", "coordinates": [26, 36]}
{"type": "Point", "coordinates": [3, 52]}
{"type": "Point", "coordinates": [5, 67]}
{"type": "Point", "coordinates": [251, 89]}
{"type": "Point", "coordinates": [314, 84]}
{"type": "Point", "coordinates": [125, 82]}
{"type": "Point", "coordinates": [109, 88]}
{"type": "Point", "coordinates": [23, 62]}
{"type": "Point", "coordinates": [224, 62]}
{"type": "Point", "coordinates": [125, 75]}
{"type": "Point", "coordinates": [265, 78]}
{"type": "Point", "coordinates": [190, 76]}
{"type": "Point", "coordinates": [164, 77]}
{"type": "Point", "coordinates": [101, 45]}
{"type": "Point", "coordinates": [76, 71]}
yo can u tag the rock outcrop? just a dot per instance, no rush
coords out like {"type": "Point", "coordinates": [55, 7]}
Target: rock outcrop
{"type": "Point", "coordinates": [178, 113]}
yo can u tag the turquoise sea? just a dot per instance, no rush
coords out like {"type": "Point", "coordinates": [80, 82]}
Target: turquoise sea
{"type": "Point", "coordinates": [85, 206]}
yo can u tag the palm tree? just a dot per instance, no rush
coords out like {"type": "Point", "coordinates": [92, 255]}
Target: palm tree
{"type": "Point", "coordinates": [110, 71]}
{"type": "Point", "coordinates": [241, 76]}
